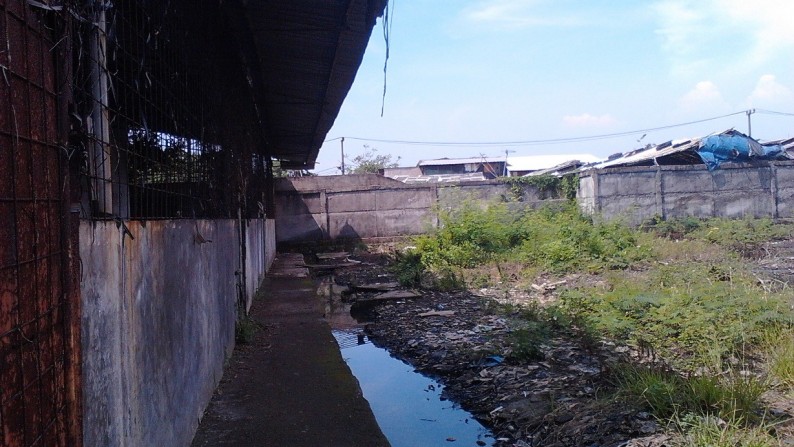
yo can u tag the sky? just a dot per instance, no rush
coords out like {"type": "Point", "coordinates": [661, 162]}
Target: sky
{"type": "Point", "coordinates": [524, 74]}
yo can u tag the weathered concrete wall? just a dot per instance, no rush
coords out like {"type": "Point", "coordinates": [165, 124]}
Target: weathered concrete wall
{"type": "Point", "coordinates": [159, 311]}
{"type": "Point", "coordinates": [370, 206]}
{"type": "Point", "coordinates": [260, 245]}
{"type": "Point", "coordinates": [735, 190]}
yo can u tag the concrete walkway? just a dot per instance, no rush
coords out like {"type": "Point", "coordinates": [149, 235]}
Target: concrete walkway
{"type": "Point", "coordinates": [290, 386]}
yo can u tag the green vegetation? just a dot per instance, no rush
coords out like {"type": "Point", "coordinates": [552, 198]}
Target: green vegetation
{"type": "Point", "coordinates": [559, 239]}
{"type": "Point", "coordinates": [680, 294]}
{"type": "Point", "coordinates": [245, 330]}
{"type": "Point", "coordinates": [562, 187]}
{"type": "Point", "coordinates": [710, 431]}
{"type": "Point", "coordinates": [668, 394]}
{"type": "Point", "coordinates": [370, 162]}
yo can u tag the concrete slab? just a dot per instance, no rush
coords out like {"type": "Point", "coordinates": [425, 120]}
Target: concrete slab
{"type": "Point", "coordinates": [376, 286]}
{"type": "Point", "coordinates": [389, 296]}
{"type": "Point", "coordinates": [290, 385]}
{"type": "Point", "coordinates": [288, 265]}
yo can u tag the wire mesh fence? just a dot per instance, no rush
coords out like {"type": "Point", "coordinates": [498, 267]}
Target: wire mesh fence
{"type": "Point", "coordinates": [161, 127]}
{"type": "Point", "coordinates": [121, 110]}
{"type": "Point", "coordinates": [38, 399]}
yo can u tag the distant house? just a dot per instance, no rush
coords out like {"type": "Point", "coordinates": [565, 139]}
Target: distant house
{"type": "Point", "coordinates": [445, 170]}
{"type": "Point", "coordinates": [547, 164]}
{"type": "Point", "coordinates": [490, 167]}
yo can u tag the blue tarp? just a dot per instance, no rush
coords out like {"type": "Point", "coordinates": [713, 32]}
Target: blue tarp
{"type": "Point", "coordinates": [717, 149]}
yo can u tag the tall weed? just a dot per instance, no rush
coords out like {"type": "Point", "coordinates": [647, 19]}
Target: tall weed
{"type": "Point", "coordinates": [689, 314]}
{"type": "Point", "coordinates": [666, 393]}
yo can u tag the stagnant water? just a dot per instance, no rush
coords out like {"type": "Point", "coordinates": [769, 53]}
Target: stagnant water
{"type": "Point", "coordinates": [407, 405]}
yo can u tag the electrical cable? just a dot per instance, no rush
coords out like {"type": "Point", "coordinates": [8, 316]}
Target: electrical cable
{"type": "Point", "coordinates": [549, 140]}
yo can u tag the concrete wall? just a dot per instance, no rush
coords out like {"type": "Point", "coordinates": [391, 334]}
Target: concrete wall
{"type": "Point", "coordinates": [159, 311]}
{"type": "Point", "coordinates": [370, 206]}
{"type": "Point", "coordinates": [636, 194]}
{"type": "Point", "coordinates": [260, 245]}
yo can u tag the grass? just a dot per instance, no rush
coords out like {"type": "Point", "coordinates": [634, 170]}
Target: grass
{"type": "Point", "coordinates": [733, 397]}
{"type": "Point", "coordinates": [781, 357]}
{"type": "Point", "coordinates": [681, 291]}
{"type": "Point", "coordinates": [710, 431]}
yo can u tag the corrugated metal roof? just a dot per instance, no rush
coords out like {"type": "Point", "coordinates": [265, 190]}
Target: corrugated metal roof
{"type": "Point", "coordinates": [787, 144]}
{"type": "Point", "coordinates": [302, 58]}
{"type": "Point", "coordinates": [684, 150]}
{"type": "Point", "coordinates": [558, 170]}
{"type": "Point", "coordinates": [442, 178]}
{"type": "Point", "coordinates": [538, 162]}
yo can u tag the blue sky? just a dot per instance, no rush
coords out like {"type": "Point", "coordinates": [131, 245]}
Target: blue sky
{"type": "Point", "coordinates": [528, 70]}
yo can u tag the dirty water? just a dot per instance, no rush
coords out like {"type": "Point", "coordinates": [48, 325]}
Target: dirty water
{"type": "Point", "coordinates": [410, 408]}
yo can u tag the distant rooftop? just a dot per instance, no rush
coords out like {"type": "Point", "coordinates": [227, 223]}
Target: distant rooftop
{"type": "Point", "coordinates": [460, 161]}
{"type": "Point", "coordinates": [538, 162]}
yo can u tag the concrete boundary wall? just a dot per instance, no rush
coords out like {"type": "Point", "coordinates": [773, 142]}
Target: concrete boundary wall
{"type": "Point", "coordinates": [160, 304]}
{"type": "Point", "coordinates": [373, 206]}
{"type": "Point", "coordinates": [636, 194]}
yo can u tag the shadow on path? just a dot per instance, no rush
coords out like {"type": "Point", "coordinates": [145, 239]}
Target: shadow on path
{"type": "Point", "coordinates": [290, 385]}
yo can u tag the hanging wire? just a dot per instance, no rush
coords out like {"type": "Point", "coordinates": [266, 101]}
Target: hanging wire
{"type": "Point", "coordinates": [387, 24]}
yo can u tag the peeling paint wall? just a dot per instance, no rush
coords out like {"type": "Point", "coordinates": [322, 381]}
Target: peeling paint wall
{"type": "Point", "coordinates": [159, 311]}
{"type": "Point", "coordinates": [636, 194]}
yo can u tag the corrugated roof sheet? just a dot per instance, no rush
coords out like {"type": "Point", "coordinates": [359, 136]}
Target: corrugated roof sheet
{"type": "Point", "coordinates": [537, 162]}
{"type": "Point", "coordinates": [442, 178]}
{"type": "Point", "coordinates": [681, 152]}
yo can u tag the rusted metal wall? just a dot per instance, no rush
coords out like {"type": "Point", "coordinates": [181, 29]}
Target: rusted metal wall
{"type": "Point", "coordinates": [39, 301]}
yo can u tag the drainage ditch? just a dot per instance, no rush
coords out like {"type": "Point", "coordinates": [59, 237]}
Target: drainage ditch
{"type": "Point", "coordinates": [410, 408]}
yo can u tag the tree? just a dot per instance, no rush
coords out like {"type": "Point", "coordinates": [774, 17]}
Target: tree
{"type": "Point", "coordinates": [370, 162]}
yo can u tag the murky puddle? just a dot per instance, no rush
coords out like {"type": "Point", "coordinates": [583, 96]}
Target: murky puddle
{"type": "Point", "coordinates": [408, 406]}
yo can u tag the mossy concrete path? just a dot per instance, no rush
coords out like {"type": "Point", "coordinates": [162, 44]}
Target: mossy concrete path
{"type": "Point", "coordinates": [289, 386]}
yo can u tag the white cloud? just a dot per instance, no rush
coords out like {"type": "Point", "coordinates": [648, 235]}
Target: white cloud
{"type": "Point", "coordinates": [588, 120]}
{"type": "Point", "coordinates": [517, 14]}
{"type": "Point", "coordinates": [767, 21]}
{"type": "Point", "coordinates": [769, 91]}
{"type": "Point", "coordinates": [695, 32]}
{"type": "Point", "coordinates": [704, 96]}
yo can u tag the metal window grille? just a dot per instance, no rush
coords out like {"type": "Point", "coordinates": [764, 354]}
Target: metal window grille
{"type": "Point", "coordinates": [163, 122]}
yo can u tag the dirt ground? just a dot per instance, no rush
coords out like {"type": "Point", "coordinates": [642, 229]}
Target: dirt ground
{"type": "Point", "coordinates": [560, 398]}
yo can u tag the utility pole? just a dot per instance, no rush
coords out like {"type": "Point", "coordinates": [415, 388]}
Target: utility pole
{"type": "Point", "coordinates": [505, 169]}
{"type": "Point", "coordinates": [342, 143]}
{"type": "Point", "coordinates": [749, 124]}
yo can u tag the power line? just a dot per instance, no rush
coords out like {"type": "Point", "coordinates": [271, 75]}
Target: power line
{"type": "Point", "coordinates": [555, 140]}
{"type": "Point", "coordinates": [772, 112]}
